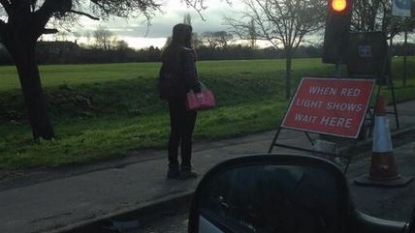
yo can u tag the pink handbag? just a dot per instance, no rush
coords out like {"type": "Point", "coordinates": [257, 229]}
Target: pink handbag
{"type": "Point", "coordinates": [200, 101]}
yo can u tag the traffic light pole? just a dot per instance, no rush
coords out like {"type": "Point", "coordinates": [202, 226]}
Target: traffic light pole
{"type": "Point", "coordinates": [387, 77]}
{"type": "Point", "coordinates": [337, 70]}
{"type": "Point", "coordinates": [390, 83]}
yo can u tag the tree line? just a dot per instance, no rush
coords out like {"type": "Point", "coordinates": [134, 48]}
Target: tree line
{"type": "Point", "coordinates": [107, 48]}
{"type": "Point", "coordinates": [66, 52]}
{"type": "Point", "coordinates": [72, 53]}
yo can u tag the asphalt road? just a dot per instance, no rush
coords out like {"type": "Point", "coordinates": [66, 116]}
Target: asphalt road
{"type": "Point", "coordinates": [388, 203]}
{"type": "Point", "coordinates": [172, 224]}
{"type": "Point", "coordinates": [391, 204]}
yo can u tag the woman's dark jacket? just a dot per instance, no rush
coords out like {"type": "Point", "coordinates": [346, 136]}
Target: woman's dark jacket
{"type": "Point", "coordinates": [179, 65]}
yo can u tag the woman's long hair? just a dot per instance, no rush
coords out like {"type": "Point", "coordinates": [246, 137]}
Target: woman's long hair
{"type": "Point", "coordinates": [182, 35]}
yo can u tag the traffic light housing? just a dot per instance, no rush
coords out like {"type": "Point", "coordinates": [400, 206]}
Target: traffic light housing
{"type": "Point", "coordinates": [336, 36]}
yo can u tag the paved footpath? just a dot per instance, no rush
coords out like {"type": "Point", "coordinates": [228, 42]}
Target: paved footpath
{"type": "Point", "coordinates": [65, 202]}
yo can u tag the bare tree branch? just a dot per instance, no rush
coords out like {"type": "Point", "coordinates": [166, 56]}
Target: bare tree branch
{"type": "Point", "coordinates": [49, 8]}
{"type": "Point", "coordinates": [84, 14]}
{"type": "Point", "coordinates": [125, 8]}
{"type": "Point", "coordinates": [49, 31]}
{"type": "Point", "coordinates": [283, 22]}
{"type": "Point", "coordinates": [376, 15]}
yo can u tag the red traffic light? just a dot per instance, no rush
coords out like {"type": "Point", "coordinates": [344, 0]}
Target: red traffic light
{"type": "Point", "coordinates": [336, 35]}
{"type": "Point", "coordinates": [338, 5]}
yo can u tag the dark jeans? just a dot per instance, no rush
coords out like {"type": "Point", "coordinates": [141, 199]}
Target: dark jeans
{"type": "Point", "coordinates": [182, 123]}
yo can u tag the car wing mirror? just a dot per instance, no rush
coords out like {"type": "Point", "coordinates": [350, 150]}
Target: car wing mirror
{"type": "Point", "coordinates": [278, 193]}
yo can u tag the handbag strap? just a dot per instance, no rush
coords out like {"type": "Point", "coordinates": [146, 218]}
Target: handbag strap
{"type": "Point", "coordinates": [202, 86]}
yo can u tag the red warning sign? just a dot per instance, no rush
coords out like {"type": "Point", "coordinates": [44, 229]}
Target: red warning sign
{"type": "Point", "coordinates": [329, 106]}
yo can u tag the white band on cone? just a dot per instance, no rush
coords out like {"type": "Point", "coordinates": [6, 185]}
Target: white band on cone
{"type": "Point", "coordinates": [382, 142]}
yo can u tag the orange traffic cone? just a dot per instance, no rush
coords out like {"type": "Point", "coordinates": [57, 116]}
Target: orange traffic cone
{"type": "Point", "coordinates": [383, 170]}
{"type": "Point", "coordinates": [383, 162]}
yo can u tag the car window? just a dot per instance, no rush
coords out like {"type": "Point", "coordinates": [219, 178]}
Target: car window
{"type": "Point", "coordinates": [273, 199]}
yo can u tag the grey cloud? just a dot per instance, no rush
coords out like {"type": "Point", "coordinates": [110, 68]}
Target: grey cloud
{"type": "Point", "coordinates": [162, 24]}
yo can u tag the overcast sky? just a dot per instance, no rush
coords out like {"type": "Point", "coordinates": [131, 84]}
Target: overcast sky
{"type": "Point", "coordinates": [137, 34]}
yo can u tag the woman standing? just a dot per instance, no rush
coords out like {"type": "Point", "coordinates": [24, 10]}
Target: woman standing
{"type": "Point", "coordinates": [180, 70]}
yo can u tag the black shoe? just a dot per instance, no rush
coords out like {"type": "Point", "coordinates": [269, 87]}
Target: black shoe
{"type": "Point", "coordinates": [173, 172]}
{"type": "Point", "coordinates": [188, 174]}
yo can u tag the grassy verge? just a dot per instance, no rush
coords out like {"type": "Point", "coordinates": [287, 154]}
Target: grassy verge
{"type": "Point", "coordinates": [104, 112]}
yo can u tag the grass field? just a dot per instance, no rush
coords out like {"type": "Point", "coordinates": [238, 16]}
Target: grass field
{"type": "Point", "coordinates": [105, 111]}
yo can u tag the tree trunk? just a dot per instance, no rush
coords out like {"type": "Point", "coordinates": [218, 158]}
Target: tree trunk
{"type": "Point", "coordinates": [22, 50]}
{"type": "Point", "coordinates": [288, 61]}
